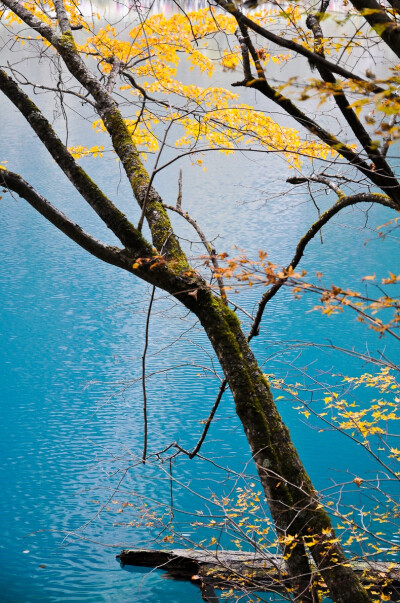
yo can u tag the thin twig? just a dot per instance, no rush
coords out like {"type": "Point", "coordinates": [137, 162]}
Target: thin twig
{"type": "Point", "coordinates": [209, 420]}
{"type": "Point", "coordinates": [179, 199]}
{"type": "Point", "coordinates": [210, 250]}
{"type": "Point", "coordinates": [171, 491]}
{"type": "Point", "coordinates": [153, 174]}
{"type": "Point", "coordinates": [146, 344]}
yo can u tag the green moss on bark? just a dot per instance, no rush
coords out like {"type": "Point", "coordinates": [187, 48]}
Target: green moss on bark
{"type": "Point", "coordinates": [67, 41]}
{"type": "Point", "coordinates": [163, 236]}
{"type": "Point", "coordinates": [294, 504]}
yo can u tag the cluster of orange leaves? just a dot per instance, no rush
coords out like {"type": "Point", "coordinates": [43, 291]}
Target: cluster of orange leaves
{"type": "Point", "coordinates": [241, 270]}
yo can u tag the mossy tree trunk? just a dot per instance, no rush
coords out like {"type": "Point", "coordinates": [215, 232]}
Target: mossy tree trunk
{"type": "Point", "coordinates": [294, 504]}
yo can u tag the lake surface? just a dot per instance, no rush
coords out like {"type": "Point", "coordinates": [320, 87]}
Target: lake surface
{"type": "Point", "coordinates": [72, 335]}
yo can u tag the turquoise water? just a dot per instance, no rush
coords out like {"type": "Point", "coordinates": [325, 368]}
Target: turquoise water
{"type": "Point", "coordinates": [72, 334]}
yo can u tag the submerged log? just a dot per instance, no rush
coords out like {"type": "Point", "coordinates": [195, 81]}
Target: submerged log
{"type": "Point", "coordinates": [255, 571]}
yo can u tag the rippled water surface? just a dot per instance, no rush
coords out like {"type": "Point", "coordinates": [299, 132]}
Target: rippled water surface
{"type": "Point", "coordinates": [72, 335]}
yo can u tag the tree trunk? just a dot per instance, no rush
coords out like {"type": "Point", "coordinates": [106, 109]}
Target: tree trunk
{"type": "Point", "coordinates": [292, 500]}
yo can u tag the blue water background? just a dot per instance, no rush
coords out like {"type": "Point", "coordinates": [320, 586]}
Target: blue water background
{"type": "Point", "coordinates": [72, 335]}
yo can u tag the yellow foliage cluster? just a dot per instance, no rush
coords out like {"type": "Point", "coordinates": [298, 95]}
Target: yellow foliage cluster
{"type": "Point", "coordinates": [161, 40]}
{"type": "Point", "coordinates": [78, 152]}
{"type": "Point", "coordinates": [158, 44]}
{"type": "Point", "coordinates": [209, 115]}
{"type": "Point", "coordinates": [45, 11]}
{"type": "Point", "coordinates": [242, 126]}
{"type": "Point", "coordinates": [365, 420]}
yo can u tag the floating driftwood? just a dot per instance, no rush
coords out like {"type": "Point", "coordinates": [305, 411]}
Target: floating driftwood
{"type": "Point", "coordinates": [236, 569]}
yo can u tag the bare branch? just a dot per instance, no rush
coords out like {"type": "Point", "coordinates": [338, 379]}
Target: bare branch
{"type": "Point", "coordinates": [111, 255]}
{"type": "Point", "coordinates": [387, 183]}
{"type": "Point", "coordinates": [146, 197]}
{"type": "Point", "coordinates": [317, 178]}
{"type": "Point", "coordinates": [245, 55]}
{"type": "Point", "coordinates": [310, 234]}
{"type": "Point", "coordinates": [344, 105]}
{"type": "Point", "coordinates": [378, 18]}
{"type": "Point", "coordinates": [245, 40]}
{"type": "Point", "coordinates": [62, 16]}
{"type": "Point", "coordinates": [210, 250]}
{"type": "Point", "coordinates": [388, 138]}
{"type": "Point", "coordinates": [179, 199]}
{"type": "Point", "coordinates": [146, 344]}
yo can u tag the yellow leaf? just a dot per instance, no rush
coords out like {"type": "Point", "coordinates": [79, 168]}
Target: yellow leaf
{"type": "Point", "coordinates": [369, 278]}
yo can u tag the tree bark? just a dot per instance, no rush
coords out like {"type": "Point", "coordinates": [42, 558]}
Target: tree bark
{"type": "Point", "coordinates": [375, 14]}
{"type": "Point", "coordinates": [294, 504]}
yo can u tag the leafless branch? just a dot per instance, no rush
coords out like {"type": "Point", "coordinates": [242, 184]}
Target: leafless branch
{"type": "Point", "coordinates": [111, 255]}
{"type": "Point", "coordinates": [179, 199]}
{"type": "Point", "coordinates": [209, 249]}
{"type": "Point", "coordinates": [146, 344]}
{"type": "Point", "coordinates": [315, 228]}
